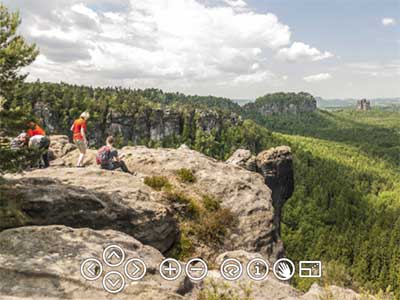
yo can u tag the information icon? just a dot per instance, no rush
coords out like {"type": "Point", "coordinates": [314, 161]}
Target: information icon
{"type": "Point", "coordinates": [257, 269]}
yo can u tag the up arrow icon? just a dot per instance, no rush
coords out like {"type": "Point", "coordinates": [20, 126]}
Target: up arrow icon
{"type": "Point", "coordinates": [113, 255]}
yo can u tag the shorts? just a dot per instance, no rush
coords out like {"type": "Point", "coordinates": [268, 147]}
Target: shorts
{"type": "Point", "coordinates": [81, 145]}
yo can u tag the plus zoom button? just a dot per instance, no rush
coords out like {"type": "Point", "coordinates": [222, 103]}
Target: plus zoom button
{"type": "Point", "coordinates": [170, 269]}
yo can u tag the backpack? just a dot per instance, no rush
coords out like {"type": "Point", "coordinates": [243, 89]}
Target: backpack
{"type": "Point", "coordinates": [103, 155]}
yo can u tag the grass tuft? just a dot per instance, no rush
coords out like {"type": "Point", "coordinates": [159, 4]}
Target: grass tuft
{"type": "Point", "coordinates": [157, 182]}
{"type": "Point", "coordinates": [186, 175]}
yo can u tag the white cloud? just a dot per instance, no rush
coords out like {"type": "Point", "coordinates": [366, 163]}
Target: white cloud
{"type": "Point", "coordinates": [170, 44]}
{"type": "Point", "coordinates": [253, 78]}
{"type": "Point", "coordinates": [388, 22]}
{"type": "Point", "coordinates": [300, 51]}
{"type": "Point", "coordinates": [236, 3]}
{"type": "Point", "coordinates": [167, 40]}
{"type": "Point", "coordinates": [318, 77]}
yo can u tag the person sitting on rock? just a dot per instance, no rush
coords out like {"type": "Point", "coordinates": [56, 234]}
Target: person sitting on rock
{"type": "Point", "coordinates": [38, 139]}
{"type": "Point", "coordinates": [79, 129]}
{"type": "Point", "coordinates": [107, 157]}
{"type": "Point", "coordinates": [19, 142]}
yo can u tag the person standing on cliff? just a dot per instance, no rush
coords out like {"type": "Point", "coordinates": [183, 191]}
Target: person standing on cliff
{"type": "Point", "coordinates": [79, 129]}
{"type": "Point", "coordinates": [38, 139]}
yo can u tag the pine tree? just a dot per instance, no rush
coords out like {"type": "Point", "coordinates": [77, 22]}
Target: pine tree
{"type": "Point", "coordinates": [15, 54]}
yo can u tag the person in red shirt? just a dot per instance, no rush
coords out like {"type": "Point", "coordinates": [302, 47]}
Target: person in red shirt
{"type": "Point", "coordinates": [79, 129]}
{"type": "Point", "coordinates": [34, 129]}
{"type": "Point", "coordinates": [38, 139]}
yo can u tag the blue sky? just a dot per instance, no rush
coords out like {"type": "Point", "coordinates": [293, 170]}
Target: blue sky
{"type": "Point", "coordinates": [232, 48]}
{"type": "Point", "coordinates": [351, 28]}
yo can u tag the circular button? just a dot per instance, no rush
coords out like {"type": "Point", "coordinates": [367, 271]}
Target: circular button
{"type": "Point", "coordinates": [113, 282]}
{"type": "Point", "coordinates": [170, 269]}
{"type": "Point", "coordinates": [91, 269]}
{"type": "Point", "coordinates": [135, 269]}
{"type": "Point", "coordinates": [231, 269]}
{"type": "Point", "coordinates": [196, 269]}
{"type": "Point", "coordinates": [257, 269]}
{"type": "Point", "coordinates": [113, 255]}
{"type": "Point", "coordinates": [284, 269]}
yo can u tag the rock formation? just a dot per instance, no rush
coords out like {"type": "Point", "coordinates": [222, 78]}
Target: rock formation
{"type": "Point", "coordinates": [363, 104]}
{"type": "Point", "coordinates": [142, 124]}
{"type": "Point", "coordinates": [283, 103]}
{"type": "Point", "coordinates": [77, 212]}
{"type": "Point", "coordinates": [41, 262]}
{"type": "Point", "coordinates": [276, 166]}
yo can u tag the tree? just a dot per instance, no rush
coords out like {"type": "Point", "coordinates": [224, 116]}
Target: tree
{"type": "Point", "coordinates": [15, 54]}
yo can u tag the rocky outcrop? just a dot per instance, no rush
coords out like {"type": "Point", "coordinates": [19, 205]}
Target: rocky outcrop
{"type": "Point", "coordinates": [41, 262]}
{"type": "Point", "coordinates": [95, 208]}
{"type": "Point", "coordinates": [282, 103]}
{"type": "Point", "coordinates": [141, 124]}
{"type": "Point", "coordinates": [60, 146]}
{"type": "Point", "coordinates": [276, 166]}
{"type": "Point", "coordinates": [89, 198]}
{"type": "Point", "coordinates": [146, 217]}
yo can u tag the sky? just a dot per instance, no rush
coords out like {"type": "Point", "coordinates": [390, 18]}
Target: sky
{"type": "Point", "coordinates": [240, 49]}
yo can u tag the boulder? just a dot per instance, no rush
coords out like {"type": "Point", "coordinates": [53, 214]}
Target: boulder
{"type": "Point", "coordinates": [45, 262]}
{"type": "Point", "coordinates": [60, 146]}
{"type": "Point", "coordinates": [243, 192]}
{"type": "Point", "coordinates": [243, 158]}
{"type": "Point", "coordinates": [89, 197]}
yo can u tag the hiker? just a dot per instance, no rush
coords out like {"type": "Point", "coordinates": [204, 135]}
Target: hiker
{"type": "Point", "coordinates": [19, 142]}
{"type": "Point", "coordinates": [79, 136]}
{"type": "Point", "coordinates": [107, 157]}
{"type": "Point", "coordinates": [38, 139]}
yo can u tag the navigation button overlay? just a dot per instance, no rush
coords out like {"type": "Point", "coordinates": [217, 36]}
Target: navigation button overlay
{"type": "Point", "coordinates": [231, 269]}
{"type": "Point", "coordinates": [113, 282]}
{"type": "Point", "coordinates": [135, 269]}
{"type": "Point", "coordinates": [170, 269]}
{"type": "Point", "coordinates": [257, 269]}
{"type": "Point", "coordinates": [113, 256]}
{"type": "Point", "coordinates": [91, 269]}
{"type": "Point", "coordinates": [196, 269]}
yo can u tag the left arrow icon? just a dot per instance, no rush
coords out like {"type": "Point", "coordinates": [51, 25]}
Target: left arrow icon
{"type": "Point", "coordinates": [91, 269]}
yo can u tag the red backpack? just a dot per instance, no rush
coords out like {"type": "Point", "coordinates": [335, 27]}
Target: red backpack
{"type": "Point", "coordinates": [103, 155]}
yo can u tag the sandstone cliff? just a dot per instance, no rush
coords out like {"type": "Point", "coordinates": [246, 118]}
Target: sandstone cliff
{"type": "Point", "coordinates": [282, 103]}
{"type": "Point", "coordinates": [52, 219]}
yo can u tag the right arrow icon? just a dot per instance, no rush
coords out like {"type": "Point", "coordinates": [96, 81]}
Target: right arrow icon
{"type": "Point", "coordinates": [135, 269]}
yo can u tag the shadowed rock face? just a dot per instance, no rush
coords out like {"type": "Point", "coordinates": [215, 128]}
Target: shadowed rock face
{"type": "Point", "coordinates": [74, 200]}
{"type": "Point", "coordinates": [276, 166]}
